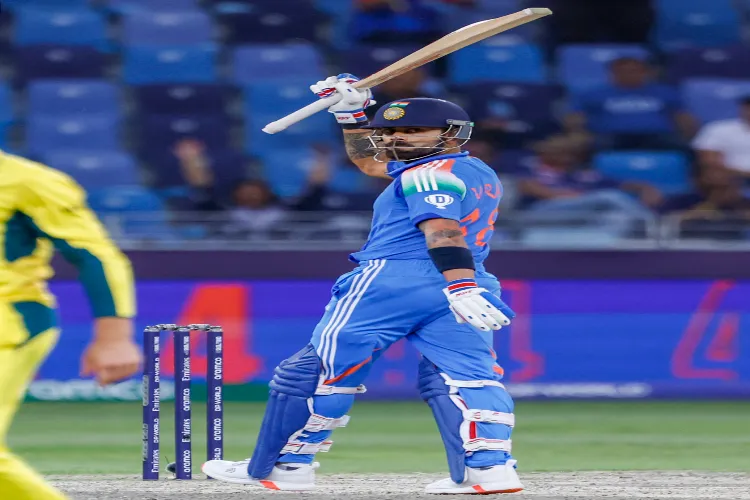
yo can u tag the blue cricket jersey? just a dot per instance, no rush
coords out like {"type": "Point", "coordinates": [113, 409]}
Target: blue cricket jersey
{"type": "Point", "coordinates": [452, 186]}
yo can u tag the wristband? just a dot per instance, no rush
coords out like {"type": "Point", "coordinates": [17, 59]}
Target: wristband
{"type": "Point", "coordinates": [447, 258]}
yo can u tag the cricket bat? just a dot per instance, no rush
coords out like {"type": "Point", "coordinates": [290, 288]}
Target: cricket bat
{"type": "Point", "coordinates": [451, 42]}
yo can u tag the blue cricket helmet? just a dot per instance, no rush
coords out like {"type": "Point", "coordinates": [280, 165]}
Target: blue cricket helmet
{"type": "Point", "coordinates": [423, 112]}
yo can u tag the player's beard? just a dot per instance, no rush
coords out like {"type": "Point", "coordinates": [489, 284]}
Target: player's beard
{"type": "Point", "coordinates": [405, 151]}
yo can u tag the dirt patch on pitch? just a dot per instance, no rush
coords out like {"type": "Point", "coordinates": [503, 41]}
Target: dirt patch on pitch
{"type": "Point", "coordinates": [655, 485]}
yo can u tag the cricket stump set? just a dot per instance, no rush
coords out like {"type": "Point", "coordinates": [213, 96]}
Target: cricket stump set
{"type": "Point", "coordinates": [182, 390]}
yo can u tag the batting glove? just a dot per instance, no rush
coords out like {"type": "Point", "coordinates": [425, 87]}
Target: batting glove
{"type": "Point", "coordinates": [477, 306]}
{"type": "Point", "coordinates": [351, 109]}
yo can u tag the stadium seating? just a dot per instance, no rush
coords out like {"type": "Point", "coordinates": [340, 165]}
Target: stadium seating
{"type": "Point", "coordinates": [55, 61]}
{"type": "Point", "coordinates": [176, 99]}
{"type": "Point", "coordinates": [483, 62]}
{"type": "Point", "coordinates": [696, 23]}
{"type": "Point", "coordinates": [254, 63]}
{"type": "Point", "coordinates": [527, 109]}
{"type": "Point", "coordinates": [138, 212]}
{"type": "Point", "coordinates": [147, 65]}
{"type": "Point", "coordinates": [725, 62]}
{"type": "Point", "coordinates": [458, 17]}
{"type": "Point", "coordinates": [227, 165]}
{"type": "Point", "coordinates": [364, 60]}
{"type": "Point", "coordinates": [713, 99]}
{"type": "Point", "coordinates": [50, 133]}
{"type": "Point", "coordinates": [14, 5]}
{"type": "Point", "coordinates": [269, 21]}
{"type": "Point", "coordinates": [95, 169]}
{"type": "Point", "coordinates": [287, 171]}
{"type": "Point", "coordinates": [7, 116]}
{"type": "Point", "coordinates": [160, 132]}
{"type": "Point", "coordinates": [583, 67]}
{"type": "Point", "coordinates": [73, 97]}
{"type": "Point", "coordinates": [186, 27]}
{"type": "Point", "coordinates": [82, 26]}
{"type": "Point", "coordinates": [130, 6]}
{"type": "Point", "coordinates": [668, 171]}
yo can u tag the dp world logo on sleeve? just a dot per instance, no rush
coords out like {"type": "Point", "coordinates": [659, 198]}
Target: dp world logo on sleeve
{"type": "Point", "coordinates": [439, 200]}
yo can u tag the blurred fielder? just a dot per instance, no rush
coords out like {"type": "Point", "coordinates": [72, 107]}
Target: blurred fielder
{"type": "Point", "coordinates": [42, 209]}
{"type": "Point", "coordinates": [420, 277]}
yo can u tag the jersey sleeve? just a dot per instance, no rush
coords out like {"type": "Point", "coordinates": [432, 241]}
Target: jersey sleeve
{"type": "Point", "coordinates": [56, 204]}
{"type": "Point", "coordinates": [433, 192]}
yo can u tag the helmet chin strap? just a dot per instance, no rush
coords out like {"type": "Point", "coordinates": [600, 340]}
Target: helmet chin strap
{"type": "Point", "coordinates": [382, 151]}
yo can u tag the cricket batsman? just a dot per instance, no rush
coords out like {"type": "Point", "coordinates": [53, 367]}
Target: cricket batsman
{"type": "Point", "coordinates": [42, 209]}
{"type": "Point", "coordinates": [419, 276]}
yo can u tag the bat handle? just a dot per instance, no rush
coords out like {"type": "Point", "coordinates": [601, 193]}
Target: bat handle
{"type": "Point", "coordinates": [301, 114]}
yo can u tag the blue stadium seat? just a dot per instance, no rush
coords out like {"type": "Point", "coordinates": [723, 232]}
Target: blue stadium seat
{"type": "Point", "coordinates": [130, 6]}
{"type": "Point", "coordinates": [713, 99]}
{"type": "Point", "coordinates": [318, 129]}
{"type": "Point", "coordinates": [253, 63]}
{"type": "Point", "coordinates": [722, 62]}
{"type": "Point", "coordinates": [44, 133]}
{"type": "Point", "coordinates": [146, 28]}
{"type": "Point", "coordinates": [55, 61]}
{"type": "Point", "coordinates": [668, 171]}
{"type": "Point", "coordinates": [136, 212]}
{"type": "Point", "coordinates": [6, 104]}
{"type": "Point", "coordinates": [14, 5]}
{"type": "Point", "coordinates": [73, 97]}
{"type": "Point", "coordinates": [269, 21]}
{"type": "Point", "coordinates": [82, 26]}
{"type": "Point", "coordinates": [701, 23]}
{"type": "Point", "coordinates": [364, 60]}
{"type": "Point", "coordinates": [583, 67]}
{"type": "Point", "coordinates": [280, 98]}
{"type": "Point", "coordinates": [95, 169]}
{"type": "Point", "coordinates": [484, 62]}
{"type": "Point", "coordinates": [286, 171]}
{"type": "Point", "coordinates": [161, 132]}
{"type": "Point", "coordinates": [458, 17]}
{"type": "Point", "coordinates": [147, 65]}
{"type": "Point", "coordinates": [527, 109]}
{"type": "Point", "coordinates": [175, 99]}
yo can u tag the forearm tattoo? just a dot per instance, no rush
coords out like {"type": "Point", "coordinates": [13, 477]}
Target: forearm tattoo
{"type": "Point", "coordinates": [358, 145]}
{"type": "Point", "coordinates": [446, 238]}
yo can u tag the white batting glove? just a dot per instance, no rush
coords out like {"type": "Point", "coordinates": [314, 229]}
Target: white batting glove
{"type": "Point", "coordinates": [477, 306]}
{"type": "Point", "coordinates": [351, 109]}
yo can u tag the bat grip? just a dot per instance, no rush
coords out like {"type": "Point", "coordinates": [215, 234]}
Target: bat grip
{"type": "Point", "coordinates": [301, 114]}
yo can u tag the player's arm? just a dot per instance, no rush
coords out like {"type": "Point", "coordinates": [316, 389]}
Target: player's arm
{"type": "Point", "coordinates": [350, 115]}
{"type": "Point", "coordinates": [434, 198]}
{"type": "Point", "coordinates": [57, 207]}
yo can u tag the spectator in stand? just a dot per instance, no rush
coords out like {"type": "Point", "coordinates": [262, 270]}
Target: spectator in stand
{"type": "Point", "coordinates": [632, 112]}
{"type": "Point", "coordinates": [253, 205]}
{"type": "Point", "coordinates": [559, 189]}
{"type": "Point", "coordinates": [726, 143]}
{"type": "Point", "coordinates": [395, 21]}
{"type": "Point", "coordinates": [717, 209]}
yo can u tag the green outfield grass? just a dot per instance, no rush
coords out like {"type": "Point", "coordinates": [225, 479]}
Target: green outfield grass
{"type": "Point", "coordinates": [70, 438]}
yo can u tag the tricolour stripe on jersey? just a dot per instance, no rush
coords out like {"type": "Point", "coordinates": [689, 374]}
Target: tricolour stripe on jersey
{"type": "Point", "coordinates": [432, 176]}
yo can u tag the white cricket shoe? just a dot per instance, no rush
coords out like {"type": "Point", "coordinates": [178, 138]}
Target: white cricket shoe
{"type": "Point", "coordinates": [497, 479]}
{"type": "Point", "coordinates": [286, 477]}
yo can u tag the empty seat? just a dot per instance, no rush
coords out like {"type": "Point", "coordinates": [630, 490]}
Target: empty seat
{"type": "Point", "coordinates": [725, 62]}
{"type": "Point", "coordinates": [483, 62]}
{"type": "Point", "coordinates": [95, 169]}
{"type": "Point", "coordinates": [13, 5]}
{"type": "Point", "coordinates": [713, 99]}
{"type": "Point", "coordinates": [147, 65]}
{"type": "Point", "coordinates": [254, 63]}
{"type": "Point", "coordinates": [458, 17]}
{"type": "Point", "coordinates": [286, 171]}
{"type": "Point", "coordinates": [668, 171]}
{"type": "Point", "coordinates": [147, 28]}
{"type": "Point", "coordinates": [527, 110]}
{"type": "Point", "coordinates": [54, 61]}
{"type": "Point", "coordinates": [584, 67]}
{"type": "Point", "coordinates": [73, 97]}
{"type": "Point", "coordinates": [363, 60]}
{"type": "Point", "coordinates": [317, 129]}
{"type": "Point", "coordinates": [80, 26]}
{"type": "Point", "coordinates": [269, 22]}
{"type": "Point", "coordinates": [6, 104]}
{"type": "Point", "coordinates": [702, 23]}
{"type": "Point", "coordinates": [277, 97]}
{"type": "Point", "coordinates": [160, 132]}
{"type": "Point", "coordinates": [176, 99]}
{"type": "Point", "coordinates": [98, 132]}
{"type": "Point", "coordinates": [130, 6]}
{"type": "Point", "coordinates": [132, 212]}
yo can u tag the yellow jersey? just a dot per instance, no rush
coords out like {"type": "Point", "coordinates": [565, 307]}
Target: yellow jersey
{"type": "Point", "coordinates": [43, 209]}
